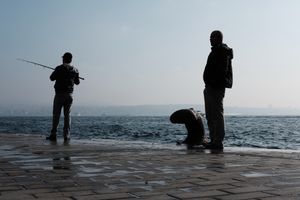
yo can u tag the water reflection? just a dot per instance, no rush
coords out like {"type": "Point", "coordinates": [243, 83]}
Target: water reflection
{"type": "Point", "coordinates": [201, 149]}
{"type": "Point", "coordinates": [61, 163]}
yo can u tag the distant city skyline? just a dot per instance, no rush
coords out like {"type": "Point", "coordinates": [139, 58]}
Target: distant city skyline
{"type": "Point", "coordinates": [150, 52]}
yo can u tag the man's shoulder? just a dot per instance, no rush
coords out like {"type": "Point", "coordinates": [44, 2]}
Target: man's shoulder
{"type": "Point", "coordinates": [58, 67]}
{"type": "Point", "coordinates": [227, 50]}
{"type": "Point", "coordinates": [67, 67]}
{"type": "Point", "coordinates": [74, 69]}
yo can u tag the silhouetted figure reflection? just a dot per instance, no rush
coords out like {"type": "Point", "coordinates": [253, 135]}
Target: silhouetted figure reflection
{"type": "Point", "coordinates": [217, 76]}
{"type": "Point", "coordinates": [193, 123]}
{"type": "Point", "coordinates": [63, 163]}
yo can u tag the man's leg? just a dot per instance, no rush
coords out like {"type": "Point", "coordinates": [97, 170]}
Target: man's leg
{"type": "Point", "coordinates": [57, 105]}
{"type": "Point", "coordinates": [67, 117]}
{"type": "Point", "coordinates": [219, 124]}
{"type": "Point", "coordinates": [209, 113]}
{"type": "Point", "coordinates": [214, 114]}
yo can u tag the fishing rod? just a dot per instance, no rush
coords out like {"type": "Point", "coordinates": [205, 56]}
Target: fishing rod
{"type": "Point", "coordinates": [40, 65]}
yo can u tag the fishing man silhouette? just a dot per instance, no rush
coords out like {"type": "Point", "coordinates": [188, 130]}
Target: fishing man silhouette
{"type": "Point", "coordinates": [65, 76]}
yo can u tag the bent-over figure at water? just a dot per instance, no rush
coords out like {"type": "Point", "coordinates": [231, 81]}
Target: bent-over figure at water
{"type": "Point", "coordinates": [193, 123]}
{"type": "Point", "coordinates": [65, 76]}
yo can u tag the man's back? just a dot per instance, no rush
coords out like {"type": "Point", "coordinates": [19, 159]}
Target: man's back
{"type": "Point", "coordinates": [65, 76]}
{"type": "Point", "coordinates": [218, 64]}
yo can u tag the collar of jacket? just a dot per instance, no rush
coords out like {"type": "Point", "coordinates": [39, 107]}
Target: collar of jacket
{"type": "Point", "coordinates": [217, 46]}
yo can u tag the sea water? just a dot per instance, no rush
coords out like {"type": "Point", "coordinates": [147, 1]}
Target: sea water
{"type": "Point", "coordinates": [274, 132]}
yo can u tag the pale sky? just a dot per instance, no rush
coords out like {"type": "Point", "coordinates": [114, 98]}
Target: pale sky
{"type": "Point", "coordinates": [135, 52]}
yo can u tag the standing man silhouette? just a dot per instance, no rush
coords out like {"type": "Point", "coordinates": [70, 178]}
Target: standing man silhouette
{"type": "Point", "coordinates": [64, 76]}
{"type": "Point", "coordinates": [217, 76]}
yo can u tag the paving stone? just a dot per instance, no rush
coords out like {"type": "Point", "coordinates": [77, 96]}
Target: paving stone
{"type": "Point", "coordinates": [252, 195]}
{"type": "Point", "coordinates": [10, 188]}
{"type": "Point", "coordinates": [217, 182]}
{"type": "Point", "coordinates": [13, 196]}
{"type": "Point", "coordinates": [195, 194]}
{"type": "Point", "coordinates": [160, 197]}
{"type": "Point", "coordinates": [64, 194]}
{"type": "Point", "coordinates": [281, 198]}
{"type": "Point", "coordinates": [105, 197]}
{"type": "Point", "coordinates": [247, 189]}
{"type": "Point", "coordinates": [286, 191]}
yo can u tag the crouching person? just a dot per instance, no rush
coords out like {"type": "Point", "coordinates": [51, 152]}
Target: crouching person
{"type": "Point", "coordinates": [194, 125]}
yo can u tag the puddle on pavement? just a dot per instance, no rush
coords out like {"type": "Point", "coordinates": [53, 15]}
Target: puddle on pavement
{"type": "Point", "coordinates": [130, 182]}
{"type": "Point", "coordinates": [8, 152]}
{"type": "Point", "coordinates": [199, 167]}
{"type": "Point", "coordinates": [90, 169]}
{"type": "Point", "coordinates": [157, 182]}
{"type": "Point", "coordinates": [83, 157]}
{"type": "Point", "coordinates": [234, 165]}
{"type": "Point", "coordinates": [187, 189]}
{"type": "Point", "coordinates": [6, 147]}
{"type": "Point", "coordinates": [148, 188]}
{"type": "Point", "coordinates": [167, 170]}
{"type": "Point", "coordinates": [87, 162]}
{"type": "Point", "coordinates": [32, 160]}
{"type": "Point", "coordinates": [89, 172]}
{"type": "Point", "coordinates": [19, 156]}
{"type": "Point", "coordinates": [255, 174]}
{"type": "Point", "coordinates": [32, 167]}
{"type": "Point", "coordinates": [143, 186]}
{"type": "Point", "coordinates": [112, 187]}
{"type": "Point", "coordinates": [173, 170]}
{"type": "Point", "coordinates": [87, 175]}
{"type": "Point", "coordinates": [45, 164]}
{"type": "Point", "coordinates": [63, 163]}
{"type": "Point", "coordinates": [125, 172]}
{"type": "Point", "coordinates": [55, 162]}
{"type": "Point", "coordinates": [118, 173]}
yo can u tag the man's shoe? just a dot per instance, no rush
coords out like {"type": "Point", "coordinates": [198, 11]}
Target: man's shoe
{"type": "Point", "coordinates": [67, 140]}
{"type": "Point", "coordinates": [52, 138]}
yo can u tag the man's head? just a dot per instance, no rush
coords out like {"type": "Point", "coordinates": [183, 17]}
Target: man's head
{"type": "Point", "coordinates": [67, 58]}
{"type": "Point", "coordinates": [216, 38]}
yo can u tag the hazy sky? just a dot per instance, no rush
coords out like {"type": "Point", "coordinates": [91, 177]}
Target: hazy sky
{"type": "Point", "coordinates": [135, 52]}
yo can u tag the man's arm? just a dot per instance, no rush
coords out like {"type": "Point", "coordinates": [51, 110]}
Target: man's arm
{"type": "Point", "coordinates": [76, 80]}
{"type": "Point", "coordinates": [53, 76]}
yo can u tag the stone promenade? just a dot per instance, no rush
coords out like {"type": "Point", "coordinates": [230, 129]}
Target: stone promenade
{"type": "Point", "coordinates": [32, 168]}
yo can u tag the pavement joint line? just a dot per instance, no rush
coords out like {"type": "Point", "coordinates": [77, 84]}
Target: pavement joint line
{"type": "Point", "coordinates": [170, 195]}
{"type": "Point", "coordinates": [134, 195]}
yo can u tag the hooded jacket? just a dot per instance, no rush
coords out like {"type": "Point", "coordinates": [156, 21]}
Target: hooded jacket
{"type": "Point", "coordinates": [218, 70]}
{"type": "Point", "coordinates": [65, 76]}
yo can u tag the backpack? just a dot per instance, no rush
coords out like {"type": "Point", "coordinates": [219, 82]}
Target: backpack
{"type": "Point", "coordinates": [228, 73]}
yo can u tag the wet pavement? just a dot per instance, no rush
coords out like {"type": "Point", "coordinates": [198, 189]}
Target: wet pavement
{"type": "Point", "coordinates": [32, 168]}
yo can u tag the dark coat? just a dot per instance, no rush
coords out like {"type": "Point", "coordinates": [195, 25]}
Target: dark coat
{"type": "Point", "coordinates": [218, 70]}
{"type": "Point", "coordinates": [65, 77]}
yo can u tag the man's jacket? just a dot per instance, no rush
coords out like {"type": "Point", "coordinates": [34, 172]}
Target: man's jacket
{"type": "Point", "coordinates": [218, 69]}
{"type": "Point", "coordinates": [65, 76]}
